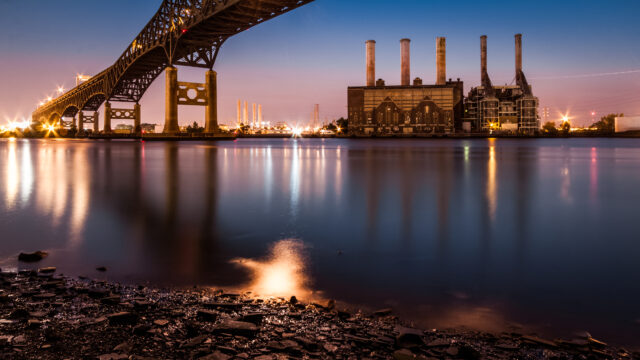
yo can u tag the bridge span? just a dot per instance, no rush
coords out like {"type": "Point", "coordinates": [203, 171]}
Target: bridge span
{"type": "Point", "coordinates": [181, 33]}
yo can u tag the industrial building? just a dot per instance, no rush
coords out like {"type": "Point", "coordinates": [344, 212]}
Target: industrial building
{"type": "Point", "coordinates": [625, 124]}
{"type": "Point", "coordinates": [509, 108]}
{"type": "Point", "coordinates": [408, 109]}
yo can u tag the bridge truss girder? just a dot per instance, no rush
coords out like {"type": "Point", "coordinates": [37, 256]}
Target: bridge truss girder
{"type": "Point", "coordinates": [182, 32]}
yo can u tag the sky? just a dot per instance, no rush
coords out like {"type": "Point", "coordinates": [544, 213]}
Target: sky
{"type": "Point", "coordinates": [580, 56]}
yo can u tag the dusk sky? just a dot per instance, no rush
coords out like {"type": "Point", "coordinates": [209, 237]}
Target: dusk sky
{"type": "Point", "coordinates": [580, 56]}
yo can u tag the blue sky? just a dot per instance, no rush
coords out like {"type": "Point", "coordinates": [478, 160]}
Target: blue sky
{"type": "Point", "coordinates": [312, 54]}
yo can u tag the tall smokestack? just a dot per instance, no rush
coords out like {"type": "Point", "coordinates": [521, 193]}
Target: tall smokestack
{"type": "Point", "coordinates": [441, 60]}
{"type": "Point", "coordinates": [254, 114]}
{"type": "Point", "coordinates": [260, 114]}
{"type": "Point", "coordinates": [246, 113]}
{"type": "Point", "coordinates": [518, 53]}
{"type": "Point", "coordinates": [483, 57]}
{"type": "Point", "coordinates": [371, 63]}
{"type": "Point", "coordinates": [405, 54]}
{"type": "Point", "coordinates": [316, 115]}
{"type": "Point", "coordinates": [239, 112]}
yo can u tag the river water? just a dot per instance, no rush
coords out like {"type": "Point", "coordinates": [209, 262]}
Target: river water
{"type": "Point", "coordinates": [542, 234]}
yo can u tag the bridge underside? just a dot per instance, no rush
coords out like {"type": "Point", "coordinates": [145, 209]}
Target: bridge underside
{"type": "Point", "coordinates": [182, 32]}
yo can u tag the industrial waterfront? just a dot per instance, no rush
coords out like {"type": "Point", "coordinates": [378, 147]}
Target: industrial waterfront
{"type": "Point", "coordinates": [301, 179]}
{"type": "Point", "coordinates": [533, 235]}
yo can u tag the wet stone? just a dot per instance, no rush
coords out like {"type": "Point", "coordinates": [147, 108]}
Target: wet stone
{"type": "Point", "coordinates": [98, 293]}
{"type": "Point", "coordinates": [32, 257]}
{"type": "Point", "coordinates": [47, 270]}
{"type": "Point", "coordinates": [383, 312]}
{"type": "Point", "coordinates": [207, 315]}
{"type": "Point", "coordinates": [160, 322]}
{"type": "Point", "coordinates": [111, 300]}
{"type": "Point", "coordinates": [237, 328]}
{"type": "Point", "coordinates": [122, 318]}
{"type": "Point", "coordinates": [254, 318]}
{"type": "Point", "coordinates": [409, 338]}
{"type": "Point", "coordinates": [216, 356]}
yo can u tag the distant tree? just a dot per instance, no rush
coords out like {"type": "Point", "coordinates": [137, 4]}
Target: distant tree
{"type": "Point", "coordinates": [565, 128]}
{"type": "Point", "coordinates": [607, 124]}
{"type": "Point", "coordinates": [331, 127]}
{"type": "Point", "coordinates": [549, 128]}
{"type": "Point", "coordinates": [194, 129]}
{"type": "Point", "coordinates": [343, 124]}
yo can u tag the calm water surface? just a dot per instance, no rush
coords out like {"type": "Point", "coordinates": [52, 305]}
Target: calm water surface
{"type": "Point", "coordinates": [483, 233]}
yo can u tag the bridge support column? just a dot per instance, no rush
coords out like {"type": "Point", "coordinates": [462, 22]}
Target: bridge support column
{"type": "Point", "coordinates": [136, 119]}
{"type": "Point", "coordinates": [96, 123]}
{"type": "Point", "coordinates": [211, 110]}
{"type": "Point", "coordinates": [171, 101]}
{"type": "Point", "coordinates": [107, 117]}
{"type": "Point", "coordinates": [80, 122]}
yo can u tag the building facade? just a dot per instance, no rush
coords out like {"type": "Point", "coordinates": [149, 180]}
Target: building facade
{"type": "Point", "coordinates": [405, 110]}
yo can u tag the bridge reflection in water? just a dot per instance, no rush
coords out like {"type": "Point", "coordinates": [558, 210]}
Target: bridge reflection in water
{"type": "Point", "coordinates": [443, 229]}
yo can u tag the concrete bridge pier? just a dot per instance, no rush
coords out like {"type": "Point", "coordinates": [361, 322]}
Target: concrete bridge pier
{"type": "Point", "coordinates": [80, 121]}
{"type": "Point", "coordinates": [107, 117]}
{"type": "Point", "coordinates": [136, 119]}
{"type": "Point", "coordinates": [96, 123]}
{"type": "Point", "coordinates": [211, 109]}
{"type": "Point", "coordinates": [171, 101]}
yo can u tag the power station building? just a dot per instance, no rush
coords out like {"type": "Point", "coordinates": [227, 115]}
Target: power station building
{"type": "Point", "coordinates": [408, 109]}
{"type": "Point", "coordinates": [509, 108]}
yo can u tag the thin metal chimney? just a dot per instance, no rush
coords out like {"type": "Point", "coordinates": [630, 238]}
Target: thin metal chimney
{"type": "Point", "coordinates": [483, 58]}
{"type": "Point", "coordinates": [441, 60]}
{"type": "Point", "coordinates": [518, 53]}
{"type": "Point", "coordinates": [254, 115]}
{"type": "Point", "coordinates": [245, 115]}
{"type": "Point", "coordinates": [371, 63]}
{"type": "Point", "coordinates": [239, 120]}
{"type": "Point", "coordinates": [405, 54]}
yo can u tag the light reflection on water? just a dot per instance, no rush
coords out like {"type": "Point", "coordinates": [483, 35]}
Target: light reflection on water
{"type": "Point", "coordinates": [469, 232]}
{"type": "Point", "coordinates": [281, 274]}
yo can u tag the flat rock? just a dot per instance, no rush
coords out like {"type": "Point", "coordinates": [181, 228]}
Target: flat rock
{"type": "Point", "coordinates": [111, 300]}
{"type": "Point", "coordinates": [32, 257]}
{"type": "Point", "coordinates": [383, 312]}
{"type": "Point", "coordinates": [409, 338]}
{"type": "Point", "coordinates": [222, 306]}
{"type": "Point", "coordinates": [207, 315]}
{"type": "Point", "coordinates": [160, 322]}
{"type": "Point", "coordinates": [122, 318]}
{"type": "Point", "coordinates": [254, 318]}
{"type": "Point", "coordinates": [537, 340]}
{"type": "Point", "coordinates": [216, 356]}
{"type": "Point", "coordinates": [237, 328]}
{"type": "Point", "coordinates": [113, 357]}
{"type": "Point", "coordinates": [439, 343]}
{"type": "Point", "coordinates": [403, 354]}
{"type": "Point", "coordinates": [98, 293]}
{"type": "Point", "coordinates": [44, 296]}
{"type": "Point", "coordinates": [47, 270]}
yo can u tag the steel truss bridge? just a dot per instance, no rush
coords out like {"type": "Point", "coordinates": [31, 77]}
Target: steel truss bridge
{"type": "Point", "coordinates": [182, 32]}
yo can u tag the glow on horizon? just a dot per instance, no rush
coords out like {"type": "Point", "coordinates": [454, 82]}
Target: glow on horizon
{"type": "Point", "coordinates": [568, 60]}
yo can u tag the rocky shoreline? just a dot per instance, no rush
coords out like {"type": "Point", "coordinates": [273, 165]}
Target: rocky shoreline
{"type": "Point", "coordinates": [46, 316]}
